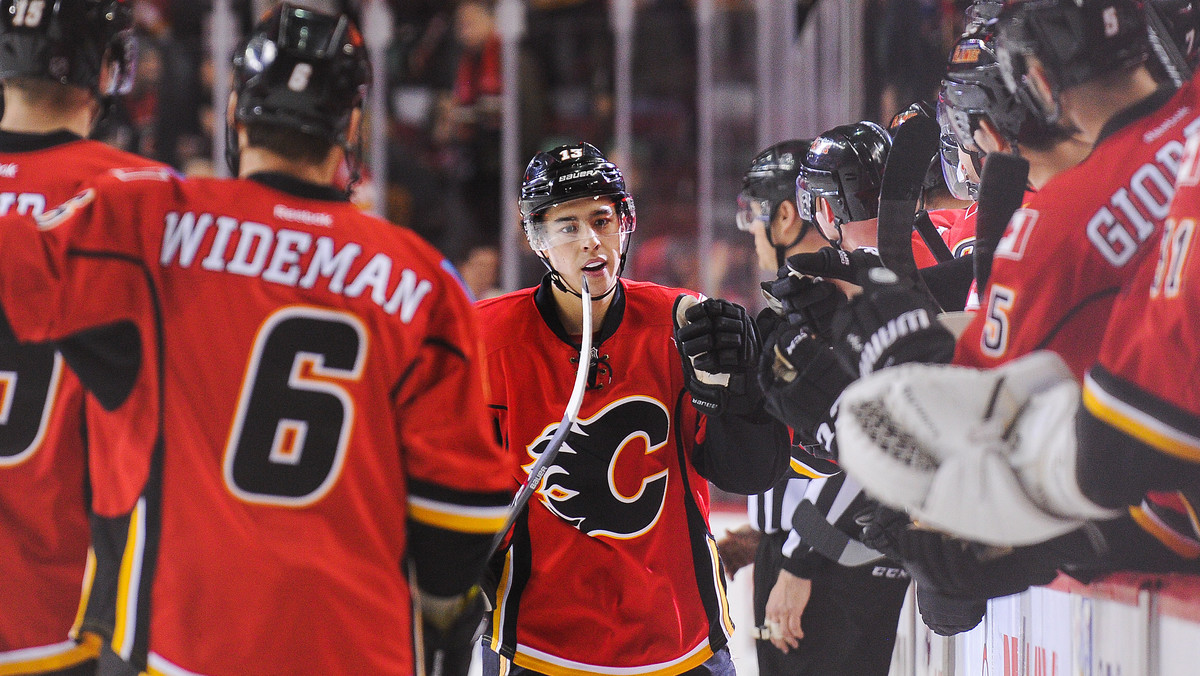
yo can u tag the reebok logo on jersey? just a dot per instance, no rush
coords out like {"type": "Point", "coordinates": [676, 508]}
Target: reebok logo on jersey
{"type": "Point", "coordinates": [290, 257]}
{"type": "Point", "coordinates": [285, 213]}
{"type": "Point", "coordinates": [887, 335]}
{"type": "Point", "coordinates": [8, 170]}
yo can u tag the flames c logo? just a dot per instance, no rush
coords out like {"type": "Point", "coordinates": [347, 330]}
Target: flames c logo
{"type": "Point", "coordinates": [603, 480]}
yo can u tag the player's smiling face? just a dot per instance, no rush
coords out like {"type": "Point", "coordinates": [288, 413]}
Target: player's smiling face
{"type": "Point", "coordinates": [591, 246]}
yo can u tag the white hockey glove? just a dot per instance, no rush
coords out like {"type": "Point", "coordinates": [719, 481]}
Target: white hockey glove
{"type": "Point", "coordinates": [987, 456]}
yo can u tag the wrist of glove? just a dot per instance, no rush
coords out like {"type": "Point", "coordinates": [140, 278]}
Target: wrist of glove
{"type": "Point", "coordinates": [951, 566]}
{"type": "Point", "coordinates": [831, 263]}
{"type": "Point", "coordinates": [448, 632]}
{"type": "Point", "coordinates": [889, 323]}
{"type": "Point", "coordinates": [800, 379]}
{"type": "Point", "coordinates": [804, 300]}
{"type": "Point", "coordinates": [719, 346]}
{"type": "Point", "coordinates": [949, 615]}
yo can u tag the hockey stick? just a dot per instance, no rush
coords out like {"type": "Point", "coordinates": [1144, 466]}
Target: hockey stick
{"type": "Point", "coordinates": [826, 540]}
{"type": "Point", "coordinates": [913, 148]}
{"type": "Point", "coordinates": [1001, 189]}
{"type": "Point", "coordinates": [1164, 47]}
{"type": "Point", "coordinates": [933, 240]}
{"type": "Point", "coordinates": [538, 470]}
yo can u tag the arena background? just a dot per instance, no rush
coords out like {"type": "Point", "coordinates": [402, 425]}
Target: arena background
{"type": "Point", "coordinates": [681, 94]}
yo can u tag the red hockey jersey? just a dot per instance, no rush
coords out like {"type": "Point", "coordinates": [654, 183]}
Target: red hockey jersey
{"type": "Point", "coordinates": [43, 459]}
{"type": "Point", "coordinates": [1144, 383]}
{"type": "Point", "coordinates": [1079, 239]}
{"type": "Point", "coordinates": [321, 401]}
{"type": "Point", "coordinates": [611, 569]}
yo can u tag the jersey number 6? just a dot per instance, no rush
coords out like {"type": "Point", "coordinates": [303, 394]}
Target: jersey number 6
{"type": "Point", "coordinates": [28, 383]}
{"type": "Point", "coordinates": [294, 419]}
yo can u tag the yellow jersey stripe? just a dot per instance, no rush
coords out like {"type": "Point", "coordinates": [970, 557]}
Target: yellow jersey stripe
{"type": "Point", "coordinates": [1139, 424]}
{"type": "Point", "coordinates": [128, 582]}
{"type": "Point", "coordinates": [806, 471]}
{"type": "Point", "coordinates": [501, 601]}
{"type": "Point", "coordinates": [49, 658]}
{"type": "Point", "coordinates": [719, 584]}
{"type": "Point", "coordinates": [457, 517]}
{"type": "Point", "coordinates": [1177, 544]}
{"type": "Point", "coordinates": [548, 664]}
{"type": "Point", "coordinates": [89, 578]}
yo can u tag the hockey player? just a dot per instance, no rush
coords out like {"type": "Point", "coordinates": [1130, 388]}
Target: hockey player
{"type": "Point", "coordinates": [60, 64]}
{"type": "Point", "coordinates": [322, 451]}
{"type": "Point", "coordinates": [611, 566]}
{"type": "Point", "coordinates": [1108, 210]}
{"type": "Point", "coordinates": [814, 615]}
{"type": "Point", "coordinates": [840, 178]}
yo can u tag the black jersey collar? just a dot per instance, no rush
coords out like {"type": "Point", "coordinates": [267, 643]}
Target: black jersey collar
{"type": "Point", "coordinates": [298, 187]}
{"type": "Point", "coordinates": [544, 299]}
{"type": "Point", "coordinates": [1136, 112]}
{"type": "Point", "coordinates": [21, 142]}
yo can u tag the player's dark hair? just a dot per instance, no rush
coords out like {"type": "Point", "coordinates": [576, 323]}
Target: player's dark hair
{"type": "Point", "coordinates": [288, 143]}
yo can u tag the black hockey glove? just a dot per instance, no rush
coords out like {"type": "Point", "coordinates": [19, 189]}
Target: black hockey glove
{"type": "Point", "coordinates": [832, 263]}
{"type": "Point", "coordinates": [949, 615]}
{"type": "Point", "coordinates": [954, 567]}
{"type": "Point", "coordinates": [800, 379]}
{"type": "Point", "coordinates": [448, 634]}
{"type": "Point", "coordinates": [804, 300]}
{"type": "Point", "coordinates": [719, 345]}
{"type": "Point", "coordinates": [889, 323]}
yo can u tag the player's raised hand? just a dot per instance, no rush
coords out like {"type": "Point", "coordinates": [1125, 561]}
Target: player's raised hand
{"type": "Point", "coordinates": [832, 263]}
{"type": "Point", "coordinates": [889, 323]}
{"type": "Point", "coordinates": [800, 378]}
{"type": "Point", "coordinates": [719, 346]}
{"type": "Point", "coordinates": [801, 299]}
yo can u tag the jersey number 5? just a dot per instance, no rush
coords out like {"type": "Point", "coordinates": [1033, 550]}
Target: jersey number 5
{"type": "Point", "coordinates": [293, 423]}
{"type": "Point", "coordinates": [994, 341]}
{"type": "Point", "coordinates": [28, 382]}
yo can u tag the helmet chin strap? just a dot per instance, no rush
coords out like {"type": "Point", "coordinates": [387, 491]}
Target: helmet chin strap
{"type": "Point", "coordinates": [781, 250]}
{"type": "Point", "coordinates": [559, 281]}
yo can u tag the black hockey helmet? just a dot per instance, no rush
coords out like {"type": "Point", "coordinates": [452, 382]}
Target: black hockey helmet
{"type": "Point", "coordinates": [841, 174]}
{"type": "Point", "coordinates": [975, 88]}
{"type": "Point", "coordinates": [770, 181]}
{"type": "Point", "coordinates": [301, 70]}
{"type": "Point", "coordinates": [67, 41]}
{"type": "Point", "coordinates": [1075, 40]}
{"type": "Point", "coordinates": [566, 173]}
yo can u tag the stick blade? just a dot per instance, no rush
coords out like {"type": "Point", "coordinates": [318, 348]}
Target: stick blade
{"type": "Point", "coordinates": [1001, 190]}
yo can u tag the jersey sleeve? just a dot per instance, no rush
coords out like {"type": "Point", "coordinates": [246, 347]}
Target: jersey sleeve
{"type": "Point", "coordinates": [55, 266]}
{"type": "Point", "coordinates": [458, 483]}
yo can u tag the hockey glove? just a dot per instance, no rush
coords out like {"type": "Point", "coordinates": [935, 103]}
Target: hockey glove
{"type": "Point", "coordinates": [719, 345]}
{"type": "Point", "coordinates": [955, 567]}
{"type": "Point", "coordinates": [800, 379]}
{"type": "Point", "coordinates": [804, 300]}
{"type": "Point", "coordinates": [889, 323]}
{"type": "Point", "coordinates": [949, 615]}
{"type": "Point", "coordinates": [832, 263]}
{"type": "Point", "coordinates": [448, 632]}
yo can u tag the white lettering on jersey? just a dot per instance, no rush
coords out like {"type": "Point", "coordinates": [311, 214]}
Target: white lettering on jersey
{"type": "Point", "coordinates": [182, 237]}
{"type": "Point", "coordinates": [1143, 203]}
{"type": "Point", "coordinates": [277, 256]}
{"type": "Point", "coordinates": [8, 170]}
{"type": "Point", "coordinates": [1016, 235]}
{"type": "Point", "coordinates": [27, 203]}
{"type": "Point", "coordinates": [285, 213]}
